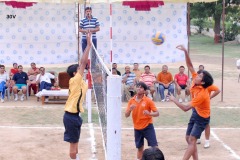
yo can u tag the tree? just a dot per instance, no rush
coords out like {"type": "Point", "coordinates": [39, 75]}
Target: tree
{"type": "Point", "coordinates": [214, 9]}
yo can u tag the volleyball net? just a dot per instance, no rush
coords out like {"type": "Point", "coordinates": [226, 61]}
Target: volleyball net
{"type": "Point", "coordinates": [107, 91]}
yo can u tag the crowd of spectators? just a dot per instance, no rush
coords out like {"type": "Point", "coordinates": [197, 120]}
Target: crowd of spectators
{"type": "Point", "coordinates": [16, 80]}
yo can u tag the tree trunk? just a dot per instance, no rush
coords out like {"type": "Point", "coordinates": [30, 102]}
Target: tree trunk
{"type": "Point", "coordinates": [217, 28]}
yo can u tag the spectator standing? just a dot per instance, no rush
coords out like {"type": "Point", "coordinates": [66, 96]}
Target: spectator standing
{"type": "Point", "coordinates": [89, 24]}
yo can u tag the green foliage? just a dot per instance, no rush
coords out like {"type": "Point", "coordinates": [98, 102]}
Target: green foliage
{"type": "Point", "coordinates": [200, 23]}
{"type": "Point", "coordinates": [231, 32]}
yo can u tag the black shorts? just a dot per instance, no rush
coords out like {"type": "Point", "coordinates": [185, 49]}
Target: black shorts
{"type": "Point", "coordinates": [148, 133]}
{"type": "Point", "coordinates": [72, 123]}
{"type": "Point", "coordinates": [183, 86]}
{"type": "Point", "coordinates": [197, 124]}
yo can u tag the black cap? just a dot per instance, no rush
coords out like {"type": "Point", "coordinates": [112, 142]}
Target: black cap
{"type": "Point", "coordinates": [143, 85]}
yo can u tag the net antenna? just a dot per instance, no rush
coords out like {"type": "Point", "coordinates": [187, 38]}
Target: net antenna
{"type": "Point", "coordinates": [107, 90]}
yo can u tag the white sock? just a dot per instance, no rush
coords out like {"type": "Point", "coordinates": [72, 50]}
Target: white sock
{"type": "Point", "coordinates": [16, 95]}
{"type": "Point", "coordinates": [207, 141]}
{"type": "Point", "coordinates": [77, 157]}
{"type": "Point", "coordinates": [23, 95]}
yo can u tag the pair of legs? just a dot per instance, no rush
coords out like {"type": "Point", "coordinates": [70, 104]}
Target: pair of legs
{"type": "Point", "coordinates": [150, 91]}
{"type": "Point", "coordinates": [149, 134]}
{"type": "Point", "coordinates": [32, 86]}
{"type": "Point", "coordinates": [72, 123]}
{"type": "Point", "coordinates": [45, 85]}
{"type": "Point", "coordinates": [196, 126]}
{"type": "Point", "coordinates": [16, 88]}
{"type": "Point", "coordinates": [181, 87]}
{"type": "Point", "coordinates": [2, 90]}
{"type": "Point", "coordinates": [162, 88]}
{"type": "Point", "coordinates": [127, 91]}
{"type": "Point", "coordinates": [84, 44]}
{"type": "Point", "coordinates": [207, 137]}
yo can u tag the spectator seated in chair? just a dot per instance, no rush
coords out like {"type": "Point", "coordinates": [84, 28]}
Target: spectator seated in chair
{"type": "Point", "coordinates": [181, 82]}
{"type": "Point", "coordinates": [114, 65]}
{"type": "Point", "coordinates": [4, 82]}
{"type": "Point", "coordinates": [137, 72]}
{"type": "Point", "coordinates": [149, 79]}
{"type": "Point", "coordinates": [20, 80]}
{"type": "Point", "coordinates": [44, 81]}
{"type": "Point", "coordinates": [165, 80]}
{"type": "Point", "coordinates": [129, 84]}
{"type": "Point", "coordinates": [32, 74]}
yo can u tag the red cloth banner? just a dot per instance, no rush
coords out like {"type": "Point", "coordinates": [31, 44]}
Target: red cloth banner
{"type": "Point", "coordinates": [143, 5]}
{"type": "Point", "coordinates": [16, 4]}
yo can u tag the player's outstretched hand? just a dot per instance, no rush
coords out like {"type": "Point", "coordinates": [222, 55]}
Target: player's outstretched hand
{"type": "Point", "coordinates": [89, 38]}
{"type": "Point", "coordinates": [181, 47]}
{"type": "Point", "coordinates": [171, 97]}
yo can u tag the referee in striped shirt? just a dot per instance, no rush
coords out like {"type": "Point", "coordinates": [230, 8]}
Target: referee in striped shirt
{"type": "Point", "coordinates": [89, 24]}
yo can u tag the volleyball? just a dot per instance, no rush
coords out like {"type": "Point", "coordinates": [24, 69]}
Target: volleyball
{"type": "Point", "coordinates": [158, 38]}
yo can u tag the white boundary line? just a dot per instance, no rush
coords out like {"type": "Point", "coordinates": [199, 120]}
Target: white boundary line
{"type": "Point", "coordinates": [88, 127]}
{"type": "Point", "coordinates": [224, 145]}
{"type": "Point", "coordinates": [93, 140]}
{"type": "Point", "coordinates": [52, 107]}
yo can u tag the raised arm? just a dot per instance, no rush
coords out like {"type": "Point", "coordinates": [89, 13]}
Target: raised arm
{"type": "Point", "coordinates": [188, 60]}
{"type": "Point", "coordinates": [84, 59]}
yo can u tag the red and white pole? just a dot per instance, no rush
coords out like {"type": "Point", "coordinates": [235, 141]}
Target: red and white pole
{"type": "Point", "coordinates": [111, 41]}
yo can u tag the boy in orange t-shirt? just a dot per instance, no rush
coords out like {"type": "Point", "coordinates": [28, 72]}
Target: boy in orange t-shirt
{"type": "Point", "coordinates": [143, 109]}
{"type": "Point", "coordinates": [200, 106]}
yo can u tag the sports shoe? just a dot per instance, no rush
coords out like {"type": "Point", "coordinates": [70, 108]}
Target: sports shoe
{"type": "Point", "coordinates": [180, 100]}
{"type": "Point", "coordinates": [16, 98]}
{"type": "Point", "coordinates": [163, 100]}
{"type": "Point", "coordinates": [2, 100]}
{"type": "Point", "coordinates": [22, 98]}
{"type": "Point", "coordinates": [186, 100]}
{"type": "Point", "coordinates": [198, 141]}
{"type": "Point", "coordinates": [207, 144]}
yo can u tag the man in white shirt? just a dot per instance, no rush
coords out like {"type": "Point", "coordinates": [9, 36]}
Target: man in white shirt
{"type": "Point", "coordinates": [44, 80]}
{"type": "Point", "coordinates": [4, 81]}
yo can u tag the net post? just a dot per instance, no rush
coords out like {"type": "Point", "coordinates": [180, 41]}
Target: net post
{"type": "Point", "coordinates": [114, 114]}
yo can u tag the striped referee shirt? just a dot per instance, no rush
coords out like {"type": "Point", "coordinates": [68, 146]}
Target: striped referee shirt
{"type": "Point", "coordinates": [86, 23]}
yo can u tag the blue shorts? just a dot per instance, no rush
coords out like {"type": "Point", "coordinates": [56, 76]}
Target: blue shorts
{"type": "Point", "coordinates": [19, 86]}
{"type": "Point", "coordinates": [148, 133]}
{"type": "Point", "coordinates": [197, 124]}
{"type": "Point", "coordinates": [72, 123]}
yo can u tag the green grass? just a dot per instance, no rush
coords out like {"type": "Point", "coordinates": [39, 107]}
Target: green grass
{"type": "Point", "coordinates": [204, 45]}
{"type": "Point", "coordinates": [52, 116]}
{"type": "Point", "coordinates": [177, 118]}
